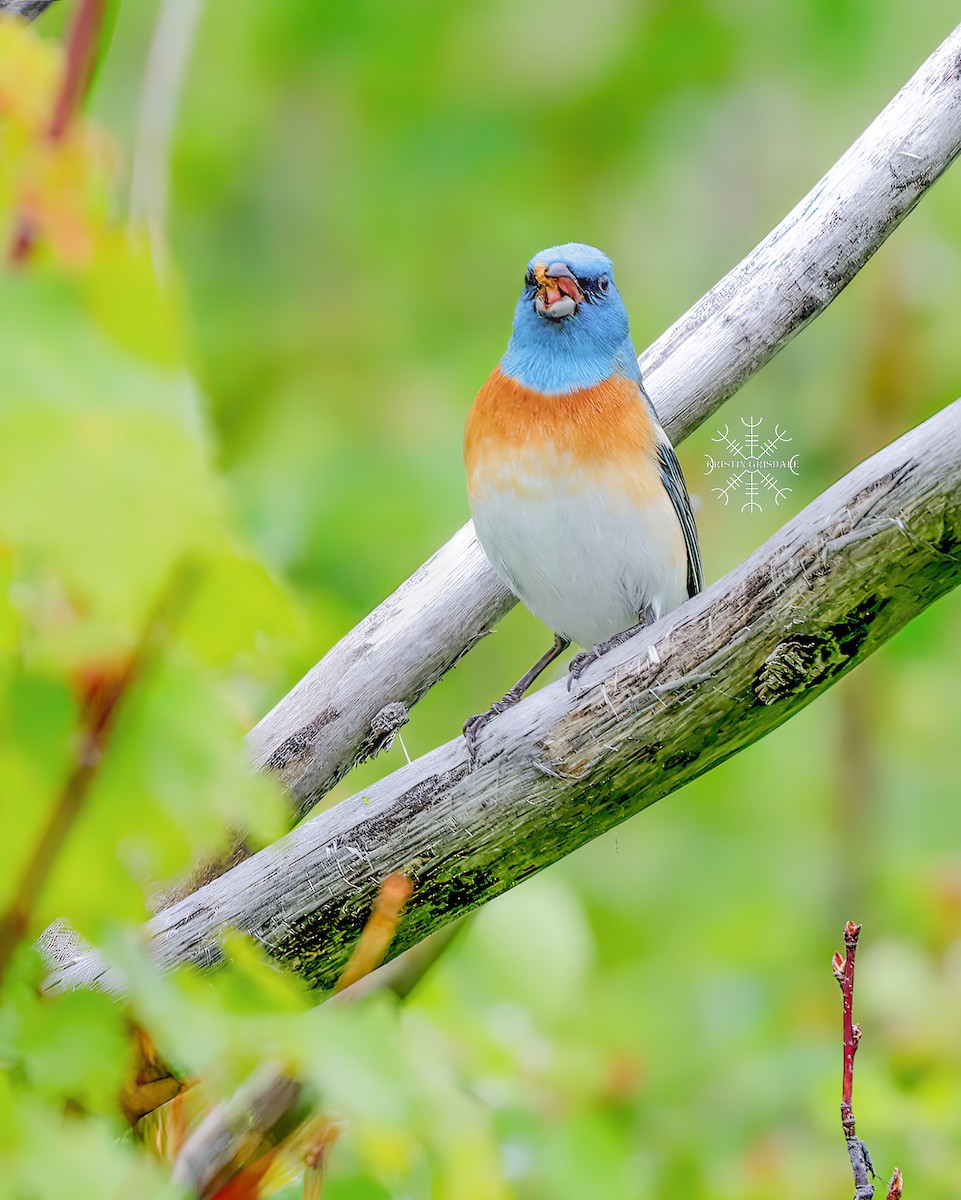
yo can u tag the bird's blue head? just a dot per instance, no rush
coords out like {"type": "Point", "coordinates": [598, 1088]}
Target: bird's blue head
{"type": "Point", "coordinates": [570, 324]}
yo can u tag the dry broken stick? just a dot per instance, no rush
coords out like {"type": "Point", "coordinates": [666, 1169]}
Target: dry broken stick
{"type": "Point", "coordinates": [861, 1164]}
{"type": "Point", "coordinates": [272, 1123]}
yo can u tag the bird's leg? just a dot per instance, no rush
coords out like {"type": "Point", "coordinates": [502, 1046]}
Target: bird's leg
{"type": "Point", "coordinates": [473, 725]}
{"type": "Point", "coordinates": [580, 662]}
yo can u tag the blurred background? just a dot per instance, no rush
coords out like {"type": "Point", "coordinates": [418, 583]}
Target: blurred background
{"type": "Point", "coordinates": [354, 192]}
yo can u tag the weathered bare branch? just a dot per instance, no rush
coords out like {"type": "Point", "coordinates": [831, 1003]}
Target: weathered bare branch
{"type": "Point", "coordinates": [25, 8]}
{"type": "Point", "coordinates": [735, 662]}
{"type": "Point", "coordinates": [329, 721]}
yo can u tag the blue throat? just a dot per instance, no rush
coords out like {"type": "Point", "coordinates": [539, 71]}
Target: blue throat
{"type": "Point", "coordinates": [562, 364]}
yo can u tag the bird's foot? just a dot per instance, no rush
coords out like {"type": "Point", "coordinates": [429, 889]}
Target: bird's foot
{"type": "Point", "coordinates": [475, 724]}
{"type": "Point", "coordinates": [580, 662]}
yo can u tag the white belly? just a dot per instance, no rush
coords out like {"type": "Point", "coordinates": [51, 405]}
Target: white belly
{"type": "Point", "coordinates": [586, 560]}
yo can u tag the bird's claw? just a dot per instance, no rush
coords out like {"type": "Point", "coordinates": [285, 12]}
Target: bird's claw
{"type": "Point", "coordinates": [579, 664]}
{"type": "Point", "coordinates": [473, 727]}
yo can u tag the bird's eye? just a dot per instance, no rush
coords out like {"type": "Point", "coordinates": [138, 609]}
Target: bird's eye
{"type": "Point", "coordinates": [529, 279]}
{"type": "Point", "coordinates": [603, 284]}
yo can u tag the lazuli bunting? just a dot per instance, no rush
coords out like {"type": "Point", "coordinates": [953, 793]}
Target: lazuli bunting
{"type": "Point", "coordinates": [577, 496]}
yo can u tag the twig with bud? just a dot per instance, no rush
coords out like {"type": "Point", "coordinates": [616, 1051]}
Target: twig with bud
{"type": "Point", "coordinates": [861, 1164]}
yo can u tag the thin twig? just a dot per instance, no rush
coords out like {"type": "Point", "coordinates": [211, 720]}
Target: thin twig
{"type": "Point", "coordinates": [81, 57]}
{"type": "Point", "coordinates": [402, 974]}
{"type": "Point", "coordinates": [861, 1164]}
{"type": "Point", "coordinates": [378, 933]}
{"type": "Point", "coordinates": [167, 61]}
{"type": "Point", "coordinates": [83, 47]}
{"type": "Point", "coordinates": [316, 1159]}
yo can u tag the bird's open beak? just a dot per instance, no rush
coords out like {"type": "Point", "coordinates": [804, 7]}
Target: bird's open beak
{"type": "Point", "coordinates": [557, 294]}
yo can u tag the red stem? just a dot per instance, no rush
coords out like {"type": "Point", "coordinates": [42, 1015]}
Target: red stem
{"type": "Point", "coordinates": [91, 742]}
{"type": "Point", "coordinates": [857, 1151]}
{"type": "Point", "coordinates": [82, 47]}
{"type": "Point", "coordinates": [377, 935]}
{"type": "Point", "coordinates": [84, 40]}
{"type": "Point", "coordinates": [852, 1032]}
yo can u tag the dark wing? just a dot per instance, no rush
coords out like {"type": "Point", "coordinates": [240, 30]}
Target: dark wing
{"type": "Point", "coordinates": [673, 479]}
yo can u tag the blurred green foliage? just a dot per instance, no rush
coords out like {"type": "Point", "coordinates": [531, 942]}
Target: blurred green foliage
{"type": "Point", "coordinates": [276, 409]}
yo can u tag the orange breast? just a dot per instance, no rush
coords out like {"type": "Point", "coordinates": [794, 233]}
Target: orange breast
{"type": "Point", "coordinates": [604, 431]}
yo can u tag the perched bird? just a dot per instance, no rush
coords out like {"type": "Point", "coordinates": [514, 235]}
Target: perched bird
{"type": "Point", "coordinates": [577, 495]}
